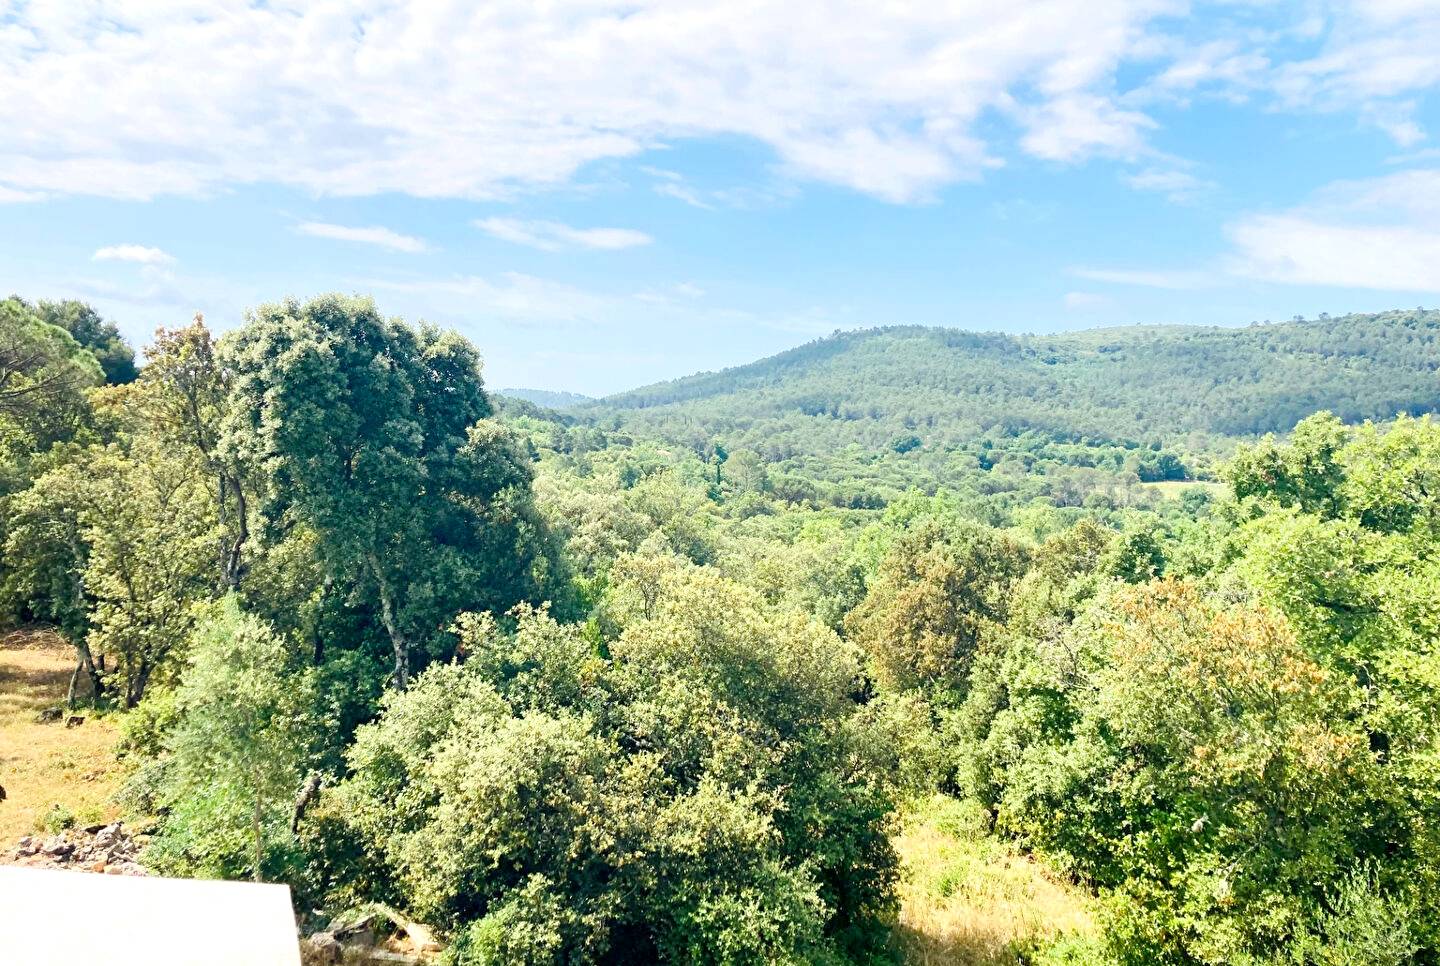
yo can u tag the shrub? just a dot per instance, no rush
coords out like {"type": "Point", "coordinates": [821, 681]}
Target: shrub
{"type": "Point", "coordinates": [703, 795]}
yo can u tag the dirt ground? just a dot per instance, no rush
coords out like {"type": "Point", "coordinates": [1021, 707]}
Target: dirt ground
{"type": "Point", "coordinates": [48, 764]}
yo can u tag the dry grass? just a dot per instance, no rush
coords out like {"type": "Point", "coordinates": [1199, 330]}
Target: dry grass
{"type": "Point", "coordinates": [971, 900]}
{"type": "Point", "coordinates": [42, 765]}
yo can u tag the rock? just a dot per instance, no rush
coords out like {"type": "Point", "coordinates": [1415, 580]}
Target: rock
{"type": "Point", "coordinates": [361, 932]}
{"type": "Point", "coordinates": [57, 847]}
{"type": "Point", "coordinates": [421, 938]}
{"type": "Point", "coordinates": [108, 849]}
{"type": "Point", "coordinates": [107, 835]}
{"type": "Point", "coordinates": [324, 949]}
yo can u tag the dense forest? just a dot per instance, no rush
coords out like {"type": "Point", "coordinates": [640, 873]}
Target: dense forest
{"type": "Point", "coordinates": [657, 678]}
{"type": "Point", "coordinates": [885, 410]}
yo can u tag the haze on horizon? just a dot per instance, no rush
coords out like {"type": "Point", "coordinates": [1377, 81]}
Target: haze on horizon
{"type": "Point", "coordinates": [602, 195]}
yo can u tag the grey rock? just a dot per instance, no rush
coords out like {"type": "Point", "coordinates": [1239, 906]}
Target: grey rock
{"type": "Point", "coordinates": [321, 949]}
{"type": "Point", "coordinates": [58, 847]}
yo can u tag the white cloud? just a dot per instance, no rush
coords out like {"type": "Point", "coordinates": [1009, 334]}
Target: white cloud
{"type": "Point", "coordinates": [1380, 233]}
{"type": "Point", "coordinates": [479, 100]}
{"type": "Point", "coordinates": [897, 100]}
{"type": "Point", "coordinates": [553, 236]}
{"type": "Point", "coordinates": [680, 192]}
{"type": "Point", "coordinates": [371, 235]}
{"type": "Point", "coordinates": [1373, 233]}
{"type": "Point", "coordinates": [1397, 121]}
{"type": "Point", "coordinates": [1222, 61]}
{"type": "Point", "coordinates": [140, 254]}
{"type": "Point", "coordinates": [1374, 56]}
{"type": "Point", "coordinates": [1076, 126]}
{"type": "Point", "coordinates": [1180, 187]}
{"type": "Point", "coordinates": [521, 300]}
{"type": "Point", "coordinates": [1370, 58]}
{"type": "Point", "coordinates": [1306, 252]}
{"type": "Point", "coordinates": [671, 184]}
{"type": "Point", "coordinates": [10, 196]}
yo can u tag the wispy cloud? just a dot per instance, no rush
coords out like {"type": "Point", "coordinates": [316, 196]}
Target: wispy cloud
{"type": "Point", "coordinates": [140, 254]}
{"type": "Point", "coordinates": [553, 236]}
{"type": "Point", "coordinates": [683, 192]}
{"type": "Point", "coordinates": [513, 297]}
{"type": "Point", "coordinates": [522, 300]}
{"type": "Point", "coordinates": [1180, 187]}
{"type": "Point", "coordinates": [370, 235]}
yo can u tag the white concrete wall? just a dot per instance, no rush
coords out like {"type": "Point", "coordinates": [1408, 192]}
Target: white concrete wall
{"type": "Point", "coordinates": [56, 918]}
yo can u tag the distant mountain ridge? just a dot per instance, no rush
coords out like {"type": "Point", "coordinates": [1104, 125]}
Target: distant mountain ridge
{"type": "Point", "coordinates": [548, 398]}
{"type": "Point", "coordinates": [946, 386]}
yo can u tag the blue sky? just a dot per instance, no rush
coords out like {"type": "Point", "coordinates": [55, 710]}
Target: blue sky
{"type": "Point", "coordinates": [605, 194]}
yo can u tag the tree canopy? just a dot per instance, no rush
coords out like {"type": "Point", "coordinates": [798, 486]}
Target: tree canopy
{"type": "Point", "coordinates": [658, 679]}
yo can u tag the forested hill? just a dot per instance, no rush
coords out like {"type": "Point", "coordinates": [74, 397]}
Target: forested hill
{"type": "Point", "coordinates": [1179, 384]}
{"type": "Point", "coordinates": [548, 398]}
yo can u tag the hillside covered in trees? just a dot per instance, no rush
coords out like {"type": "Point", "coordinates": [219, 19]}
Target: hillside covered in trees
{"type": "Point", "coordinates": [859, 418]}
{"type": "Point", "coordinates": [626, 686]}
{"type": "Point", "coordinates": [909, 387]}
{"type": "Point", "coordinates": [550, 399]}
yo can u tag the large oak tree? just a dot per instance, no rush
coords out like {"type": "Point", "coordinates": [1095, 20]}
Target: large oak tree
{"type": "Point", "coordinates": [377, 436]}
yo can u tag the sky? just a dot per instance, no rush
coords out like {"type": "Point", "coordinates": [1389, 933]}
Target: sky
{"type": "Point", "coordinates": [604, 194]}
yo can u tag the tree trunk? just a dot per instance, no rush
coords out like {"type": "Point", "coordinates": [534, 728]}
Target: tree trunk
{"type": "Point", "coordinates": [232, 567]}
{"type": "Point", "coordinates": [70, 694]}
{"type": "Point", "coordinates": [87, 661]}
{"type": "Point", "coordinates": [397, 638]}
{"type": "Point", "coordinates": [319, 638]}
{"type": "Point", "coordinates": [82, 647]}
{"type": "Point", "coordinates": [137, 684]}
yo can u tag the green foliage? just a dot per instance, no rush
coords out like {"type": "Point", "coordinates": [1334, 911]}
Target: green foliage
{"type": "Point", "coordinates": [240, 746]}
{"type": "Point", "coordinates": [679, 801]}
{"type": "Point", "coordinates": [113, 547]}
{"type": "Point", "coordinates": [1098, 382]}
{"type": "Point", "coordinates": [1359, 927]}
{"type": "Point", "coordinates": [1306, 472]}
{"type": "Point", "coordinates": [1243, 763]}
{"type": "Point", "coordinates": [1073, 412]}
{"type": "Point", "coordinates": [935, 594]}
{"type": "Point", "coordinates": [54, 820]}
{"type": "Point", "coordinates": [664, 668]}
{"type": "Point", "coordinates": [376, 437]}
{"type": "Point", "coordinates": [95, 335]}
{"type": "Point", "coordinates": [42, 373]}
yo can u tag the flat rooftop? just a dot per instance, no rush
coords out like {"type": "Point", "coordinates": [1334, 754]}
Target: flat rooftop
{"type": "Point", "coordinates": [58, 918]}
